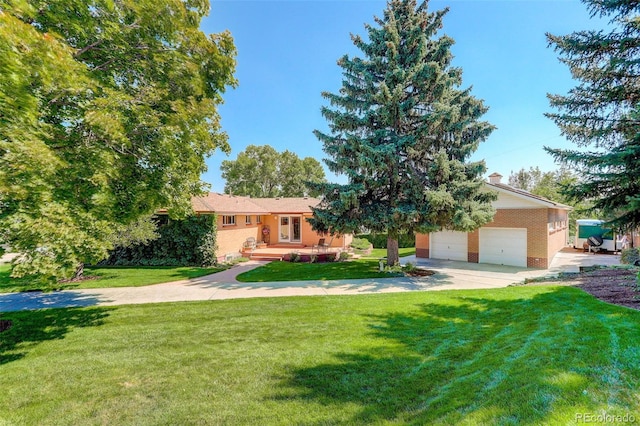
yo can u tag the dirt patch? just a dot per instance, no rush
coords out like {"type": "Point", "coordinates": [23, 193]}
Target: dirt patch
{"type": "Point", "coordinates": [611, 285]}
{"type": "Point", "coordinates": [5, 325]}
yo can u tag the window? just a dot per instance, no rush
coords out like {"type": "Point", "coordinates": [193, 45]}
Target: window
{"type": "Point", "coordinates": [228, 220]}
{"type": "Point", "coordinates": [247, 220]}
{"type": "Point", "coordinates": [258, 219]}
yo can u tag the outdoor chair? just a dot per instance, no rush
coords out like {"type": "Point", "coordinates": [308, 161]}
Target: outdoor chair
{"type": "Point", "coordinates": [249, 244]}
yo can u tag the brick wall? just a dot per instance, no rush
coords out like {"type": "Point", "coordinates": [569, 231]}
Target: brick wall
{"type": "Point", "coordinates": [474, 247]}
{"type": "Point", "coordinates": [422, 245]}
{"type": "Point", "coordinates": [543, 241]}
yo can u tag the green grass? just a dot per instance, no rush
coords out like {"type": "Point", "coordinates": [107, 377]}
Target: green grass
{"type": "Point", "coordinates": [378, 253]}
{"type": "Point", "coordinates": [109, 277]}
{"type": "Point", "coordinates": [299, 271]}
{"type": "Point", "coordinates": [518, 355]}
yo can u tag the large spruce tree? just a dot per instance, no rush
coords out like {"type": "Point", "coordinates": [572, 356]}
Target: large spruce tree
{"type": "Point", "coordinates": [402, 131]}
{"type": "Point", "coordinates": [603, 111]}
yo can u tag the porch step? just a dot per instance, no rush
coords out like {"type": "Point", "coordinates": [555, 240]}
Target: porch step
{"type": "Point", "coordinates": [265, 256]}
{"type": "Point", "coordinates": [286, 246]}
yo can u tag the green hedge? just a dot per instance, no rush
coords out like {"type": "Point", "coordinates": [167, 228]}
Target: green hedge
{"type": "Point", "coordinates": [189, 242]}
{"type": "Point", "coordinates": [380, 240]}
{"type": "Point", "coordinates": [630, 256]}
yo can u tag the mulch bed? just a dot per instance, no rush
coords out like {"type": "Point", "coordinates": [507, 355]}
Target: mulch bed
{"type": "Point", "coordinates": [611, 285]}
{"type": "Point", "coordinates": [420, 273]}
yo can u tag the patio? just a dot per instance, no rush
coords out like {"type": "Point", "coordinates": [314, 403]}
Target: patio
{"type": "Point", "coordinates": [279, 251]}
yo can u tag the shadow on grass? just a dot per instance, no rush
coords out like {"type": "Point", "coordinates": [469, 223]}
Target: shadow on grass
{"type": "Point", "coordinates": [28, 329]}
{"type": "Point", "coordinates": [487, 361]}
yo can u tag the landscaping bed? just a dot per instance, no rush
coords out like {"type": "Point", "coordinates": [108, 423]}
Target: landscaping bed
{"type": "Point", "coordinates": [617, 286]}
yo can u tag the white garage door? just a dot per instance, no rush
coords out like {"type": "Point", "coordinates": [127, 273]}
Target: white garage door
{"type": "Point", "coordinates": [450, 245]}
{"type": "Point", "coordinates": [503, 246]}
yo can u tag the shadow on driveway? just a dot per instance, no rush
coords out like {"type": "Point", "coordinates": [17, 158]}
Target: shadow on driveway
{"type": "Point", "coordinates": [11, 302]}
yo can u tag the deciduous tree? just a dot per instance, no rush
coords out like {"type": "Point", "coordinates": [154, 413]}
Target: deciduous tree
{"type": "Point", "coordinates": [402, 131]}
{"type": "Point", "coordinates": [107, 111]}
{"type": "Point", "coordinates": [261, 171]}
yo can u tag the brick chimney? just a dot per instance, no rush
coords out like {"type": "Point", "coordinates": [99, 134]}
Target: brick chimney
{"type": "Point", "coordinates": [495, 178]}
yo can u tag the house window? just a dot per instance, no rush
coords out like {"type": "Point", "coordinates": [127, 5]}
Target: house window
{"type": "Point", "coordinates": [228, 220]}
{"type": "Point", "coordinates": [247, 220]}
{"type": "Point", "coordinates": [258, 219]}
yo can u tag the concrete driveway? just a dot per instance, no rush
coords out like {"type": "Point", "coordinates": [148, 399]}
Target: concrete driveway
{"type": "Point", "coordinates": [449, 275]}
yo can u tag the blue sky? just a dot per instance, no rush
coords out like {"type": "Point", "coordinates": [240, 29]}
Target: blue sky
{"type": "Point", "coordinates": [287, 53]}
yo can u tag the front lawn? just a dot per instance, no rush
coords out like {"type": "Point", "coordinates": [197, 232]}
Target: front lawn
{"type": "Point", "coordinates": [518, 355]}
{"type": "Point", "coordinates": [382, 252]}
{"type": "Point", "coordinates": [109, 277]}
{"type": "Point", "coordinates": [300, 271]}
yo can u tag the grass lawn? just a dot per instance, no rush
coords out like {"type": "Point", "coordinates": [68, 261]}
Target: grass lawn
{"type": "Point", "coordinates": [518, 355]}
{"type": "Point", "coordinates": [378, 253]}
{"type": "Point", "coordinates": [110, 277]}
{"type": "Point", "coordinates": [293, 271]}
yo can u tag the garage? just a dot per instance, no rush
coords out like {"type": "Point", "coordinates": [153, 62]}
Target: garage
{"type": "Point", "coordinates": [503, 246]}
{"type": "Point", "coordinates": [449, 245]}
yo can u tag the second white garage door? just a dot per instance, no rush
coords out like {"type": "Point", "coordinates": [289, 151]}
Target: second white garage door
{"type": "Point", "coordinates": [503, 246]}
{"type": "Point", "coordinates": [450, 245]}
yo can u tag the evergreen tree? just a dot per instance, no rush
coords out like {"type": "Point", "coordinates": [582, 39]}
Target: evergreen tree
{"type": "Point", "coordinates": [603, 112]}
{"type": "Point", "coordinates": [402, 131]}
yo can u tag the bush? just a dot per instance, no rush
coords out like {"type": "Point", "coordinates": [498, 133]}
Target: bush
{"type": "Point", "coordinates": [188, 242]}
{"type": "Point", "coordinates": [630, 256]}
{"type": "Point", "coordinates": [360, 244]}
{"type": "Point", "coordinates": [343, 256]}
{"type": "Point", "coordinates": [380, 240]}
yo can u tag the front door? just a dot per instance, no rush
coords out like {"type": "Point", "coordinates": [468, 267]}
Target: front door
{"type": "Point", "coordinates": [290, 229]}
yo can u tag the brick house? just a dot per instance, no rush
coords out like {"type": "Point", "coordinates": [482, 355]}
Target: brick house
{"type": "Point", "coordinates": [526, 231]}
{"type": "Point", "coordinates": [273, 222]}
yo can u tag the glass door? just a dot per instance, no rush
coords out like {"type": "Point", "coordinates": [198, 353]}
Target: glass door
{"type": "Point", "coordinates": [290, 229]}
{"type": "Point", "coordinates": [284, 229]}
{"type": "Point", "coordinates": [295, 229]}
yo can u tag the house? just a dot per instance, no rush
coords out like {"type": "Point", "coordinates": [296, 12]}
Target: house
{"type": "Point", "coordinates": [526, 231]}
{"type": "Point", "coordinates": [279, 222]}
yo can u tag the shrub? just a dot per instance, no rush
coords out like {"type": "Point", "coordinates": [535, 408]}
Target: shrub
{"type": "Point", "coordinates": [630, 256]}
{"type": "Point", "coordinates": [343, 256]}
{"type": "Point", "coordinates": [409, 267]}
{"type": "Point", "coordinates": [360, 244]}
{"type": "Point", "coordinates": [188, 242]}
{"type": "Point", "coordinates": [294, 256]}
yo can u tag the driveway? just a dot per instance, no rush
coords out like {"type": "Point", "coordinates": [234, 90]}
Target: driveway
{"type": "Point", "coordinates": [449, 275]}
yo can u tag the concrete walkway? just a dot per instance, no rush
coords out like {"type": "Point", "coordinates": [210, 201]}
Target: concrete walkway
{"type": "Point", "coordinates": [450, 275]}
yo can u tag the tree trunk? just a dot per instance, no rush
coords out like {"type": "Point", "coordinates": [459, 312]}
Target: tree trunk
{"type": "Point", "coordinates": [79, 271]}
{"type": "Point", "coordinates": [392, 249]}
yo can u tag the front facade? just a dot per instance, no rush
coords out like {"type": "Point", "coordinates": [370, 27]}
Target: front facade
{"type": "Point", "coordinates": [526, 231]}
{"type": "Point", "coordinates": [279, 222]}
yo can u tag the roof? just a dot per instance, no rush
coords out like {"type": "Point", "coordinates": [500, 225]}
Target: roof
{"type": "Point", "coordinates": [234, 204]}
{"type": "Point", "coordinates": [527, 195]}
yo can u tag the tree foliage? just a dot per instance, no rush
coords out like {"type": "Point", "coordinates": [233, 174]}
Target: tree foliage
{"type": "Point", "coordinates": [185, 242]}
{"type": "Point", "coordinates": [402, 131]}
{"type": "Point", "coordinates": [107, 111]}
{"type": "Point", "coordinates": [552, 185]}
{"type": "Point", "coordinates": [603, 111]}
{"type": "Point", "coordinates": [261, 171]}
